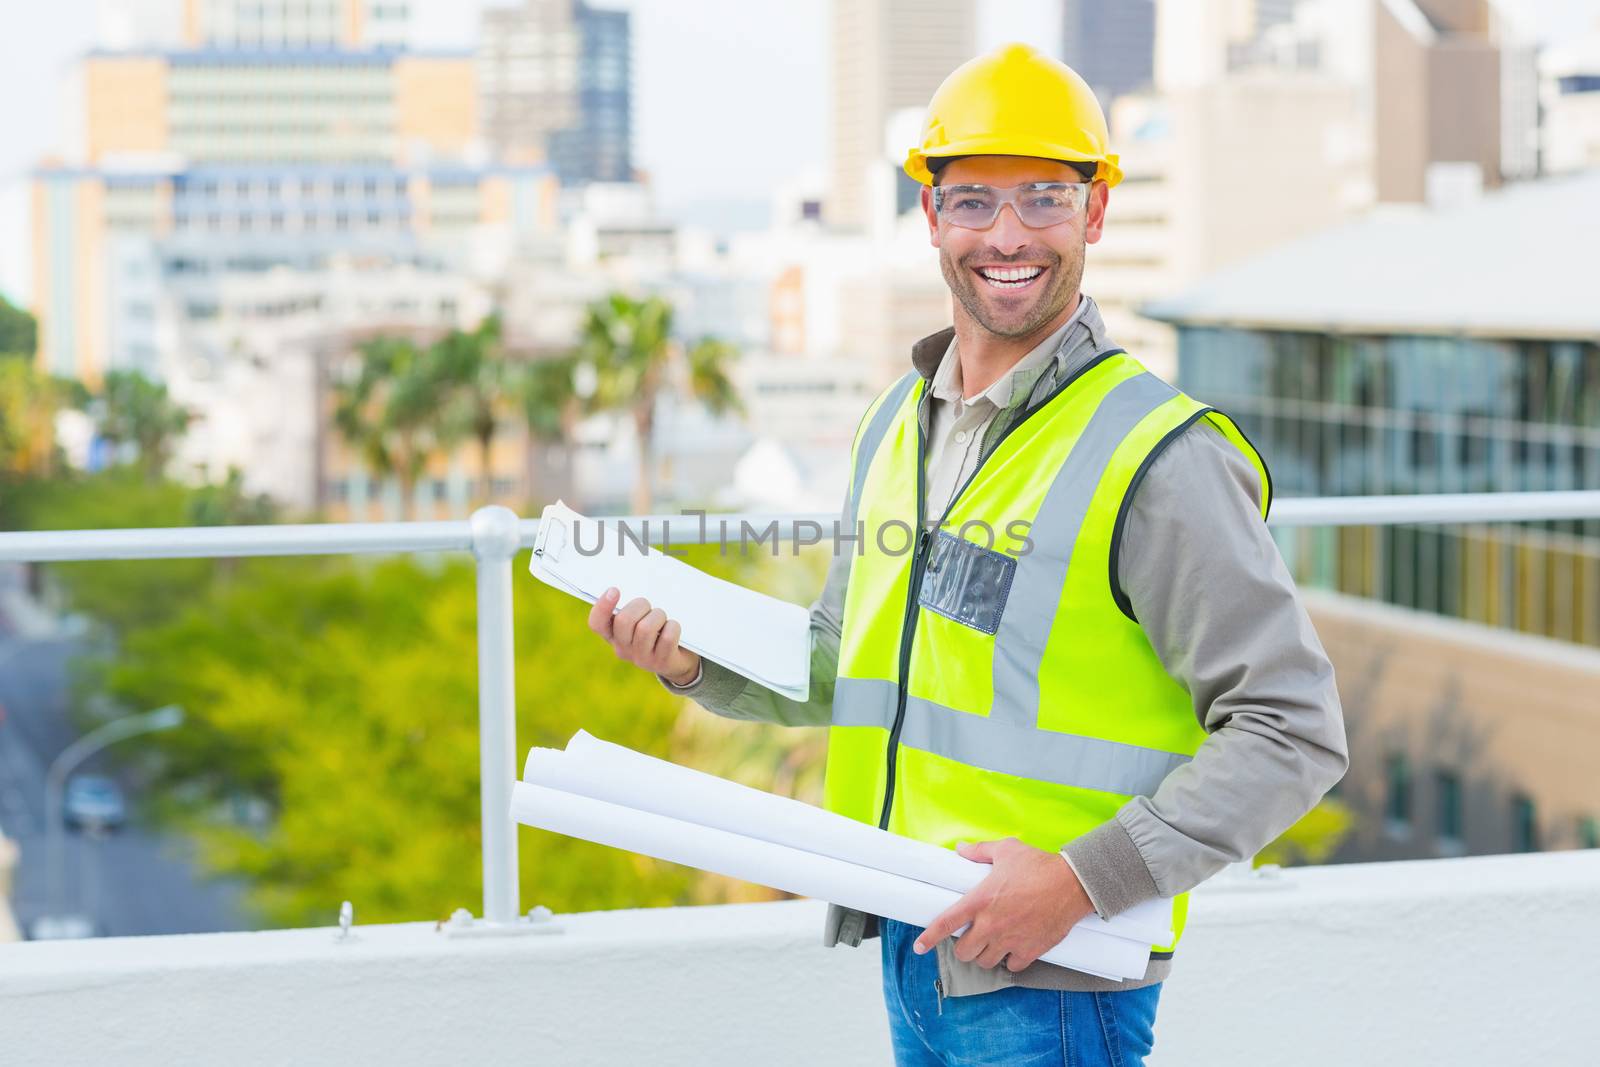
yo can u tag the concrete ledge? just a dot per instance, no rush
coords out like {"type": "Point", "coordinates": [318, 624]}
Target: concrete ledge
{"type": "Point", "coordinates": [1487, 960]}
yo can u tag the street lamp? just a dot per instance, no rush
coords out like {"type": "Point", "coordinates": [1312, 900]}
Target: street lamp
{"type": "Point", "coordinates": [81, 749]}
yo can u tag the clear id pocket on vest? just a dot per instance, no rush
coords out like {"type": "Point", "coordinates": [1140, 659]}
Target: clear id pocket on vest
{"type": "Point", "coordinates": [966, 582]}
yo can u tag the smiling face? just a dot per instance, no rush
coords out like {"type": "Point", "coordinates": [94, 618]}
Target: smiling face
{"type": "Point", "coordinates": [1011, 280]}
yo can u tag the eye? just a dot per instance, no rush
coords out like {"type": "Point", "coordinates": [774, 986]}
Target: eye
{"type": "Point", "coordinates": [971, 202]}
{"type": "Point", "coordinates": [1048, 200]}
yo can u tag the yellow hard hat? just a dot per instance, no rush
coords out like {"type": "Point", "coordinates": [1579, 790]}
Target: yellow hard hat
{"type": "Point", "coordinates": [1014, 101]}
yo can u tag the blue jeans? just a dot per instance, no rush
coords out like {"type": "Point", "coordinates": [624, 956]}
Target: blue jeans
{"type": "Point", "coordinates": [1013, 1026]}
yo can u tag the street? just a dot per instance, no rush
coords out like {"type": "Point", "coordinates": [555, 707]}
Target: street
{"type": "Point", "coordinates": [130, 881]}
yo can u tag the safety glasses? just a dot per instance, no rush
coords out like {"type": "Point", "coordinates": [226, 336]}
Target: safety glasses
{"type": "Point", "coordinates": [1037, 204]}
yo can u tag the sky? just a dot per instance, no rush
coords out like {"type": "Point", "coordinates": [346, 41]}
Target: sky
{"type": "Point", "coordinates": [700, 131]}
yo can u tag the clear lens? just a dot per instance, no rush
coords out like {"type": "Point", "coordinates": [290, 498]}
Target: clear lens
{"type": "Point", "coordinates": [1037, 204]}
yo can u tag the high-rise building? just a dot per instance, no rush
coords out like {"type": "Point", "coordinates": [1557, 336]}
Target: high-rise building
{"type": "Point", "coordinates": [1435, 350]}
{"type": "Point", "coordinates": [1436, 93]}
{"type": "Point", "coordinates": [1111, 43]}
{"type": "Point", "coordinates": [888, 55]}
{"type": "Point", "coordinates": [555, 80]}
{"type": "Point", "coordinates": [245, 199]}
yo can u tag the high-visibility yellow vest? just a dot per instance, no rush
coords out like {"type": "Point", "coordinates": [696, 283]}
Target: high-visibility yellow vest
{"type": "Point", "coordinates": [992, 679]}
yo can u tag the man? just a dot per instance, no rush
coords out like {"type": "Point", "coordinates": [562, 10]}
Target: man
{"type": "Point", "coordinates": [1092, 670]}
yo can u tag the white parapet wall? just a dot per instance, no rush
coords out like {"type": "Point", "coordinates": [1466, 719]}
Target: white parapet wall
{"type": "Point", "coordinates": [1472, 961]}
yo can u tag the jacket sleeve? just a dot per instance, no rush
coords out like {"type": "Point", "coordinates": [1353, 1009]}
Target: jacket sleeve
{"type": "Point", "coordinates": [1214, 597]}
{"type": "Point", "coordinates": [726, 693]}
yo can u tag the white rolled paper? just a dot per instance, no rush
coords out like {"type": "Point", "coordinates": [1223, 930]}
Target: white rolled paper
{"type": "Point", "coordinates": [788, 869]}
{"type": "Point", "coordinates": [594, 768]}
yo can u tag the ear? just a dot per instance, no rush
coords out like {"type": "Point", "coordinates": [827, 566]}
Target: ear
{"type": "Point", "coordinates": [1095, 219]}
{"type": "Point", "coordinates": [933, 219]}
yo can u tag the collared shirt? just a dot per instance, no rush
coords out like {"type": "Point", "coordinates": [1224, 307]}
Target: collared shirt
{"type": "Point", "coordinates": [958, 426]}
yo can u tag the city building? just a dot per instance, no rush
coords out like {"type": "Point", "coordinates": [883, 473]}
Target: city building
{"type": "Point", "coordinates": [1569, 95]}
{"type": "Point", "coordinates": [1435, 350]}
{"type": "Point", "coordinates": [888, 55]}
{"type": "Point", "coordinates": [555, 80]}
{"type": "Point", "coordinates": [1111, 43]}
{"type": "Point", "coordinates": [265, 24]}
{"type": "Point", "coordinates": [253, 182]}
{"type": "Point", "coordinates": [1271, 122]}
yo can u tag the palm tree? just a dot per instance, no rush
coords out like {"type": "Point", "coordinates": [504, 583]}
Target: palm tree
{"type": "Point", "coordinates": [136, 409]}
{"type": "Point", "coordinates": [480, 384]}
{"type": "Point", "coordinates": [629, 346]}
{"type": "Point", "coordinates": [390, 411]}
{"type": "Point", "coordinates": [550, 412]}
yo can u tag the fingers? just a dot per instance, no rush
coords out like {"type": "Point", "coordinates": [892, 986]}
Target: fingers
{"type": "Point", "coordinates": [1018, 962]}
{"type": "Point", "coordinates": [667, 641]}
{"type": "Point", "coordinates": [968, 947]}
{"type": "Point", "coordinates": [637, 632]}
{"type": "Point", "coordinates": [991, 955]}
{"type": "Point", "coordinates": [948, 922]}
{"type": "Point", "coordinates": [600, 613]}
{"type": "Point", "coordinates": [982, 851]}
{"type": "Point", "coordinates": [631, 628]}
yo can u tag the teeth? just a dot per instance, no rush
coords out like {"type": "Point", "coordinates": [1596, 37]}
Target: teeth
{"type": "Point", "coordinates": [1013, 276]}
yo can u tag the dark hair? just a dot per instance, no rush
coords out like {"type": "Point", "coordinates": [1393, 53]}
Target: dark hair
{"type": "Point", "coordinates": [1086, 169]}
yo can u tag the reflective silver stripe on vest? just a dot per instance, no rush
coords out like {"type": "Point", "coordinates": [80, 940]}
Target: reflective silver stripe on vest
{"type": "Point", "coordinates": [1042, 573]}
{"type": "Point", "coordinates": [1023, 751]}
{"type": "Point", "coordinates": [867, 447]}
{"type": "Point", "coordinates": [1008, 740]}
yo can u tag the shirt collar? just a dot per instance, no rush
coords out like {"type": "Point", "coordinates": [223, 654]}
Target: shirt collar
{"type": "Point", "coordinates": [934, 357]}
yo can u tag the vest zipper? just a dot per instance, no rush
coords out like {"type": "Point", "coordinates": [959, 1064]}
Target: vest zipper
{"type": "Point", "coordinates": [908, 625]}
{"type": "Point", "coordinates": [919, 559]}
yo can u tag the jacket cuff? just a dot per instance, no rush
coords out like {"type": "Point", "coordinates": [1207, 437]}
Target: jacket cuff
{"type": "Point", "coordinates": [699, 675]}
{"type": "Point", "coordinates": [1112, 871]}
{"type": "Point", "coordinates": [713, 684]}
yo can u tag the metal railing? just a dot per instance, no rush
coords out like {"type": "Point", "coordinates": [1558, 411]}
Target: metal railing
{"type": "Point", "coordinates": [493, 535]}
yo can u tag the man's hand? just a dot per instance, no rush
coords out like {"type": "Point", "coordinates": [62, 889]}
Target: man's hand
{"type": "Point", "coordinates": [1019, 912]}
{"type": "Point", "coordinates": [643, 636]}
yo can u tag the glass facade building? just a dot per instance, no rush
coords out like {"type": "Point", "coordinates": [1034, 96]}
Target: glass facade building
{"type": "Point", "coordinates": [1341, 415]}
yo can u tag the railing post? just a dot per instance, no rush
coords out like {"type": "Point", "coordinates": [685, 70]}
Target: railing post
{"type": "Point", "coordinates": [494, 543]}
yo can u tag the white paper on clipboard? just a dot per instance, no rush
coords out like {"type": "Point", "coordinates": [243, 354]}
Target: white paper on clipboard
{"type": "Point", "coordinates": [761, 637]}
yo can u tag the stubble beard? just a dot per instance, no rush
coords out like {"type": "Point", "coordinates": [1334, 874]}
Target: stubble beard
{"type": "Point", "coordinates": [1066, 274]}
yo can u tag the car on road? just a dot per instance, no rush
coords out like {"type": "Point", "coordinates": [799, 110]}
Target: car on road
{"type": "Point", "coordinates": [94, 801]}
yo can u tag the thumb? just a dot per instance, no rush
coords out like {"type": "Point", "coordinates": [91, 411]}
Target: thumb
{"type": "Point", "coordinates": [983, 851]}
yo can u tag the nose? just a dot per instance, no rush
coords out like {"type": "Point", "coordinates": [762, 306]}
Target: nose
{"type": "Point", "coordinates": [1008, 235]}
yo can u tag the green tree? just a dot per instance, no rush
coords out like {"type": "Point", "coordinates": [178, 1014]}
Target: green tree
{"type": "Point", "coordinates": [480, 388]}
{"type": "Point", "coordinates": [29, 404]}
{"type": "Point", "coordinates": [390, 413]}
{"type": "Point", "coordinates": [121, 595]}
{"type": "Point", "coordinates": [226, 503]}
{"type": "Point", "coordinates": [19, 333]}
{"type": "Point", "coordinates": [344, 696]}
{"type": "Point", "coordinates": [629, 348]}
{"type": "Point", "coordinates": [135, 409]}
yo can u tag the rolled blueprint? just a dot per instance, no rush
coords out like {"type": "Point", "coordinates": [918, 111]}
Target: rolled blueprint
{"type": "Point", "coordinates": [791, 870]}
{"type": "Point", "coordinates": [604, 771]}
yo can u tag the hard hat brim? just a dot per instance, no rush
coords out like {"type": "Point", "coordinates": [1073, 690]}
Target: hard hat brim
{"type": "Point", "coordinates": [916, 165]}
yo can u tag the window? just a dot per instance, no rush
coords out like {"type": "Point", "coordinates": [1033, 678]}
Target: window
{"type": "Point", "coordinates": [1447, 805]}
{"type": "Point", "coordinates": [1524, 824]}
{"type": "Point", "coordinates": [1397, 800]}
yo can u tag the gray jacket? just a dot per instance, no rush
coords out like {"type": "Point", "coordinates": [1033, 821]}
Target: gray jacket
{"type": "Point", "coordinates": [1209, 588]}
